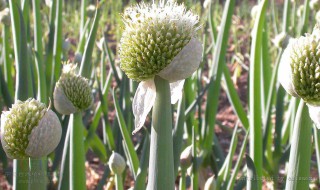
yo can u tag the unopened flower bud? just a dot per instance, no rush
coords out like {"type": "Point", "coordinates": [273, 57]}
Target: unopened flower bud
{"type": "Point", "coordinates": [299, 70]}
{"type": "Point", "coordinates": [116, 163]}
{"type": "Point", "coordinates": [281, 40]}
{"type": "Point", "coordinates": [77, 58]}
{"type": "Point", "coordinates": [66, 45]}
{"type": "Point", "coordinates": [314, 5]}
{"type": "Point", "coordinates": [318, 17]}
{"type": "Point", "coordinates": [29, 129]}
{"type": "Point", "coordinates": [48, 3]}
{"type": "Point", "coordinates": [72, 92]}
{"type": "Point", "coordinates": [186, 157]}
{"type": "Point", "coordinates": [254, 12]}
{"type": "Point", "coordinates": [207, 3]}
{"type": "Point", "coordinates": [3, 4]}
{"type": "Point", "coordinates": [210, 184]}
{"type": "Point", "coordinates": [91, 9]}
{"type": "Point", "coordinates": [300, 10]}
{"type": "Point", "coordinates": [5, 16]}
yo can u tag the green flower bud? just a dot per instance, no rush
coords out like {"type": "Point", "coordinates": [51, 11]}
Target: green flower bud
{"type": "Point", "coordinates": [299, 70]}
{"type": "Point", "coordinates": [210, 184]}
{"type": "Point", "coordinates": [154, 35]}
{"type": "Point", "coordinates": [29, 129]}
{"type": "Point", "coordinates": [72, 92]}
{"type": "Point", "coordinates": [116, 163]}
{"type": "Point", "coordinates": [186, 157]}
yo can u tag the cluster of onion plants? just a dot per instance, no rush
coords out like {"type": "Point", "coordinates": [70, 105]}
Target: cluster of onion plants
{"type": "Point", "coordinates": [140, 89]}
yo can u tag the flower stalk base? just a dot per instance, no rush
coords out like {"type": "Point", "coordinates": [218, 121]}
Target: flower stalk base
{"type": "Point", "coordinates": [161, 167]}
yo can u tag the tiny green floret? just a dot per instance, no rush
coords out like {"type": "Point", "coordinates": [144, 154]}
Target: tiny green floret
{"type": "Point", "coordinates": [153, 36]}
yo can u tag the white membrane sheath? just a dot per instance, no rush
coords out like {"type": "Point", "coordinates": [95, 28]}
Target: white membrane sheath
{"type": "Point", "coordinates": [142, 102]}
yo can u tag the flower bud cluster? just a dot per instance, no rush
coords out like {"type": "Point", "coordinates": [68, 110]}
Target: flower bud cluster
{"type": "Point", "coordinates": [72, 92]}
{"type": "Point", "coordinates": [29, 129]}
{"type": "Point", "coordinates": [299, 71]}
{"type": "Point", "coordinates": [153, 36]}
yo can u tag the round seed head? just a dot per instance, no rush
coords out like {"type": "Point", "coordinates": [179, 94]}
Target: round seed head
{"type": "Point", "coordinates": [116, 163]}
{"type": "Point", "coordinates": [72, 92]}
{"type": "Point", "coordinates": [29, 129]}
{"type": "Point", "coordinates": [154, 35]}
{"type": "Point", "coordinates": [299, 69]}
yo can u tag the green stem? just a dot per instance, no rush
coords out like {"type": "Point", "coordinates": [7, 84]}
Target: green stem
{"type": "Point", "coordinates": [119, 184]}
{"type": "Point", "coordinates": [300, 153]}
{"type": "Point", "coordinates": [20, 174]}
{"type": "Point", "coordinates": [161, 167]}
{"type": "Point", "coordinates": [38, 177]}
{"type": "Point", "coordinates": [6, 59]}
{"type": "Point", "coordinates": [182, 183]}
{"type": "Point", "coordinates": [77, 153]}
{"type": "Point", "coordinates": [42, 88]}
{"type": "Point", "coordinates": [83, 16]}
{"type": "Point", "coordinates": [195, 173]}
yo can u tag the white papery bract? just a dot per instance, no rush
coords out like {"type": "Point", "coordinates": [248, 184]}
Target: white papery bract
{"type": "Point", "coordinates": [159, 39]}
{"type": "Point", "coordinates": [314, 113]}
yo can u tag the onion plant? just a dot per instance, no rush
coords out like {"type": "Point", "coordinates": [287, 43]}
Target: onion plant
{"type": "Point", "coordinates": [80, 78]}
{"type": "Point", "coordinates": [159, 48]}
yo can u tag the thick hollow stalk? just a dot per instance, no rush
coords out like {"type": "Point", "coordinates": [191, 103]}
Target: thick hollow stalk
{"type": "Point", "coordinates": [42, 89]}
{"type": "Point", "coordinates": [83, 15]}
{"type": "Point", "coordinates": [161, 168]}
{"type": "Point", "coordinates": [77, 153]}
{"type": "Point", "coordinates": [38, 173]}
{"type": "Point", "coordinates": [20, 174]}
{"type": "Point", "coordinates": [6, 59]}
{"type": "Point", "coordinates": [119, 184]}
{"type": "Point", "coordinates": [300, 153]}
{"type": "Point", "coordinates": [182, 183]}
